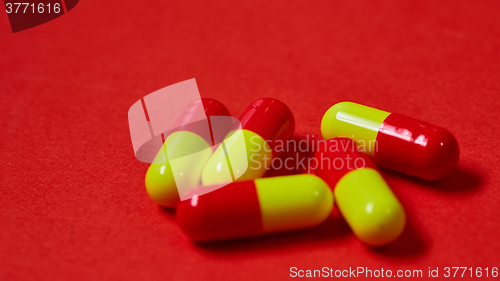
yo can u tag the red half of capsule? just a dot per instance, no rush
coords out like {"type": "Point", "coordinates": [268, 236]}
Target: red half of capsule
{"type": "Point", "coordinates": [214, 107]}
{"type": "Point", "coordinates": [193, 119]}
{"type": "Point", "coordinates": [338, 156]}
{"type": "Point", "coordinates": [415, 148]}
{"type": "Point", "coordinates": [271, 119]}
{"type": "Point", "coordinates": [206, 218]}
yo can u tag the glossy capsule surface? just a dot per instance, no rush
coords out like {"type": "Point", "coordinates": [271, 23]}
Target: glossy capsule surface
{"type": "Point", "coordinates": [184, 152]}
{"type": "Point", "coordinates": [247, 153]}
{"type": "Point", "coordinates": [395, 141]}
{"type": "Point", "coordinates": [255, 207]}
{"type": "Point", "coordinates": [363, 197]}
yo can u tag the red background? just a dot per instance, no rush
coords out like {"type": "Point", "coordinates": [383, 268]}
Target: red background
{"type": "Point", "coordinates": [73, 202]}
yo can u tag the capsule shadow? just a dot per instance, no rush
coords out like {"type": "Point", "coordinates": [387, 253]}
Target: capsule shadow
{"type": "Point", "coordinates": [168, 213]}
{"type": "Point", "coordinates": [411, 243]}
{"type": "Point", "coordinates": [334, 228]}
{"type": "Point", "coordinates": [460, 180]}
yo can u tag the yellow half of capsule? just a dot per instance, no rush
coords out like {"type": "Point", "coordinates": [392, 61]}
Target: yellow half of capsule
{"type": "Point", "coordinates": [184, 155]}
{"type": "Point", "coordinates": [243, 155]}
{"type": "Point", "coordinates": [293, 202]}
{"type": "Point", "coordinates": [370, 207]}
{"type": "Point", "coordinates": [355, 121]}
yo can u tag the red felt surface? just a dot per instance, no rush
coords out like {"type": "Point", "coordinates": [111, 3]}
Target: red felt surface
{"type": "Point", "coordinates": [73, 202]}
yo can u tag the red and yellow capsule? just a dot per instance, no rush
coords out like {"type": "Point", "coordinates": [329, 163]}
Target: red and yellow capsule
{"type": "Point", "coordinates": [267, 122]}
{"type": "Point", "coordinates": [252, 208]}
{"type": "Point", "coordinates": [395, 141]}
{"type": "Point", "coordinates": [363, 197]}
{"type": "Point", "coordinates": [188, 149]}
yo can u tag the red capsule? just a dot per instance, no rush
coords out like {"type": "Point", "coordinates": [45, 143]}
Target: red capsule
{"type": "Point", "coordinates": [252, 208]}
{"type": "Point", "coordinates": [247, 153]}
{"type": "Point", "coordinates": [419, 148]}
{"type": "Point", "coordinates": [229, 212]}
{"type": "Point", "coordinates": [271, 119]}
{"type": "Point", "coordinates": [193, 119]}
{"type": "Point", "coordinates": [397, 142]}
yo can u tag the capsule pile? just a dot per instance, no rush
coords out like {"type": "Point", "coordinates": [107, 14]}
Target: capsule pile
{"type": "Point", "coordinates": [227, 197]}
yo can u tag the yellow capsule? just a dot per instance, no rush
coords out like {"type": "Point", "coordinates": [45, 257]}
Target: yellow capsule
{"type": "Point", "coordinates": [168, 176]}
{"type": "Point", "coordinates": [243, 155]}
{"type": "Point", "coordinates": [355, 121]}
{"type": "Point", "coordinates": [370, 208]}
{"type": "Point", "coordinates": [363, 197]}
{"type": "Point", "coordinates": [177, 167]}
{"type": "Point", "coordinates": [293, 202]}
